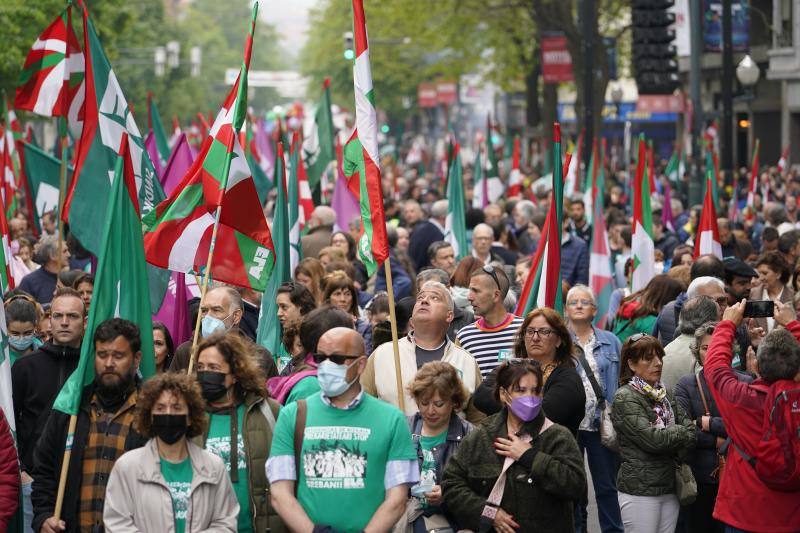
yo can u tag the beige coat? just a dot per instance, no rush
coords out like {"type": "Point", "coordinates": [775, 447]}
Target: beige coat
{"type": "Point", "coordinates": [379, 377]}
{"type": "Point", "coordinates": [138, 499]}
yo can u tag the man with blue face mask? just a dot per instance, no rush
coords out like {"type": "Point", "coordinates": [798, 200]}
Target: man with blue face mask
{"type": "Point", "coordinates": [355, 454]}
{"type": "Point", "coordinates": [220, 311]}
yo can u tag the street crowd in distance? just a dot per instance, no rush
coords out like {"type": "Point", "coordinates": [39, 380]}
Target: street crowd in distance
{"type": "Point", "coordinates": [679, 405]}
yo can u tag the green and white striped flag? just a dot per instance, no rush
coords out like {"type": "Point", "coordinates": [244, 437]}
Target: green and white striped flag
{"type": "Point", "coordinates": [455, 227]}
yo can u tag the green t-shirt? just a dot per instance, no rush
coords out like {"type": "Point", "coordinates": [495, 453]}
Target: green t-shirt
{"type": "Point", "coordinates": [179, 480]}
{"type": "Point", "coordinates": [344, 458]}
{"type": "Point", "coordinates": [219, 443]}
{"type": "Point", "coordinates": [427, 473]}
{"type": "Point", "coordinates": [304, 388]}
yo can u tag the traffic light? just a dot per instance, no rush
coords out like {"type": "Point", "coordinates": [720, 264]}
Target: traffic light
{"type": "Point", "coordinates": [655, 65]}
{"type": "Point", "coordinates": [349, 52]}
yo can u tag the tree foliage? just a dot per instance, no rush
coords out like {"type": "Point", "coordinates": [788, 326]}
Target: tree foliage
{"type": "Point", "coordinates": [129, 31]}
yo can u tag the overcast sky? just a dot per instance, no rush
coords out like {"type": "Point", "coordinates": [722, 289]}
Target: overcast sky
{"type": "Point", "coordinates": [290, 17]}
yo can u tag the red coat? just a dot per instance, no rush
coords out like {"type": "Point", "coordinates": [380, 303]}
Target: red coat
{"type": "Point", "coordinates": [9, 474]}
{"type": "Point", "coordinates": [743, 501]}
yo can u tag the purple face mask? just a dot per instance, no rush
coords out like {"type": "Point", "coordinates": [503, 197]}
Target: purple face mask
{"type": "Point", "coordinates": [526, 407]}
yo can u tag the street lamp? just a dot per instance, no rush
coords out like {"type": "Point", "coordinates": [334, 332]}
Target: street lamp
{"type": "Point", "coordinates": [616, 97]}
{"type": "Point", "coordinates": [748, 72]}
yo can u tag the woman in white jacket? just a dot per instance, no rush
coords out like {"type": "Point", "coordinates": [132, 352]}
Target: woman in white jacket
{"type": "Point", "coordinates": [170, 484]}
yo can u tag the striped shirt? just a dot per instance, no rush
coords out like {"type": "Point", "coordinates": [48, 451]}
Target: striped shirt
{"type": "Point", "coordinates": [490, 345]}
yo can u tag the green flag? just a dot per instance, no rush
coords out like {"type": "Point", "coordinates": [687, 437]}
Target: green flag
{"type": "Point", "coordinates": [42, 172]}
{"type": "Point", "coordinates": [318, 150]}
{"type": "Point", "coordinates": [269, 329]}
{"type": "Point", "coordinates": [455, 227]}
{"type": "Point", "coordinates": [157, 127]}
{"type": "Point", "coordinates": [120, 288]}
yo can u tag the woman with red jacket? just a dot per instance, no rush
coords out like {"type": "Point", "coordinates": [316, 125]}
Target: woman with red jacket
{"type": "Point", "coordinates": [744, 502]}
{"type": "Point", "coordinates": [9, 474]}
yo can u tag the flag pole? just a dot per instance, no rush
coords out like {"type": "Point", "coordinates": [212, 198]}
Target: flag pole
{"type": "Point", "coordinates": [401, 397]}
{"type": "Point", "coordinates": [62, 480]}
{"type": "Point", "coordinates": [206, 275]}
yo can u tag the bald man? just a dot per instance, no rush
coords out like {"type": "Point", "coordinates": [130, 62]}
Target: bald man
{"type": "Point", "coordinates": [321, 229]}
{"type": "Point", "coordinates": [358, 459]}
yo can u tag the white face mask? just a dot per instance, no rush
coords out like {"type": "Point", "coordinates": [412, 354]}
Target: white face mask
{"type": "Point", "coordinates": [333, 378]}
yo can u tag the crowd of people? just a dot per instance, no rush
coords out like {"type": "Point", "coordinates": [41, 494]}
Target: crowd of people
{"type": "Point", "coordinates": [478, 420]}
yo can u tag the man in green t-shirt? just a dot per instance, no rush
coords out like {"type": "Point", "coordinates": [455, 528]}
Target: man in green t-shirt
{"type": "Point", "coordinates": [357, 457]}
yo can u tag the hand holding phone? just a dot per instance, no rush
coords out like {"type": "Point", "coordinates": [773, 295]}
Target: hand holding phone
{"type": "Point", "coordinates": [759, 309]}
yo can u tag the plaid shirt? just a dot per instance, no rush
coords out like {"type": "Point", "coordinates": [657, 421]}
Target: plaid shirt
{"type": "Point", "coordinates": [105, 444]}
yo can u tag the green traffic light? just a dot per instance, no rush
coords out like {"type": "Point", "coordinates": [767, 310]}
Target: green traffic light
{"type": "Point", "coordinates": [349, 55]}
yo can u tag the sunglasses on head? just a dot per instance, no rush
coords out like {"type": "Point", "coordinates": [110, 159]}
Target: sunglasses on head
{"type": "Point", "coordinates": [489, 269]}
{"type": "Point", "coordinates": [637, 337]}
{"type": "Point", "coordinates": [335, 358]}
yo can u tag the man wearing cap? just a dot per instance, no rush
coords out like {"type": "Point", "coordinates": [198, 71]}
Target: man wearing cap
{"type": "Point", "coordinates": [738, 279]}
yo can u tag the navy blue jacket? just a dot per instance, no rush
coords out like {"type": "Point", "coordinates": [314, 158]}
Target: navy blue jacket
{"type": "Point", "coordinates": [575, 261]}
{"type": "Point", "coordinates": [40, 284]}
{"type": "Point", "coordinates": [425, 233]}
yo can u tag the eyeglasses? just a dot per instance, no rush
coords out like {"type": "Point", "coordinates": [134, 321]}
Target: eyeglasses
{"type": "Point", "coordinates": [336, 358]}
{"type": "Point", "coordinates": [584, 303]}
{"type": "Point", "coordinates": [542, 332]}
{"type": "Point", "coordinates": [489, 269]}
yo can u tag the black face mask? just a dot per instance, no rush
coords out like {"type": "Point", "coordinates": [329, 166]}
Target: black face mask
{"type": "Point", "coordinates": [169, 428]}
{"type": "Point", "coordinates": [212, 385]}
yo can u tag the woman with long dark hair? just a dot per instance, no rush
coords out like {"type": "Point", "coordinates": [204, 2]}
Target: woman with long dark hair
{"type": "Point", "coordinates": [639, 311]}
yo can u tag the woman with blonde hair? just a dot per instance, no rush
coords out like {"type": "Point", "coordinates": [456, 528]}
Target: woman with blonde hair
{"type": "Point", "coordinates": [437, 431]}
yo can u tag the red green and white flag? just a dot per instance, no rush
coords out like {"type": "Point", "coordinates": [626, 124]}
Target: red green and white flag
{"type": "Point", "coordinates": [490, 188]}
{"type": "Point", "coordinates": [361, 157]}
{"type": "Point", "coordinates": [121, 281]}
{"type": "Point", "coordinates": [6, 278]}
{"type": "Point", "coordinates": [306, 200]}
{"type": "Point", "coordinates": [293, 196]}
{"type": "Point", "coordinates": [107, 117]}
{"type": "Point", "coordinates": [51, 82]}
{"type": "Point", "coordinates": [455, 226]}
{"type": "Point", "coordinates": [707, 241]}
{"type": "Point", "coordinates": [712, 166]}
{"type": "Point", "coordinates": [318, 144]}
{"type": "Point", "coordinates": [752, 188]}
{"type": "Point", "coordinates": [601, 277]}
{"type": "Point", "coordinates": [543, 286]}
{"type": "Point", "coordinates": [643, 247]}
{"type": "Point", "coordinates": [260, 167]}
{"type": "Point", "coordinates": [178, 232]}
{"type": "Point", "coordinates": [673, 170]}
{"type": "Point", "coordinates": [783, 162]}
{"type": "Point", "coordinates": [9, 185]}
{"type": "Point", "coordinates": [515, 176]}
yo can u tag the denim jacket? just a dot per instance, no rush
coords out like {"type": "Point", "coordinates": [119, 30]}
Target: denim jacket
{"type": "Point", "coordinates": [606, 353]}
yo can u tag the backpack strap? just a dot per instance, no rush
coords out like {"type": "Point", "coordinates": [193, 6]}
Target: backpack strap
{"type": "Point", "coordinates": [299, 430]}
{"type": "Point", "coordinates": [749, 458]}
{"type": "Point", "coordinates": [266, 410]}
{"type": "Point", "coordinates": [702, 394]}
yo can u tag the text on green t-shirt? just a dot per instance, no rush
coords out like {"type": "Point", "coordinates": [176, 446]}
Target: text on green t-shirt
{"type": "Point", "coordinates": [179, 480]}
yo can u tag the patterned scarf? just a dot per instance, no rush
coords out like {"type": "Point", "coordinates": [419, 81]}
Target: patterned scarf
{"type": "Point", "coordinates": [665, 417]}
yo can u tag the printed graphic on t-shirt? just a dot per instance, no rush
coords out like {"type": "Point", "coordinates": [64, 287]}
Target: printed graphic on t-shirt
{"type": "Point", "coordinates": [180, 491]}
{"type": "Point", "coordinates": [221, 447]}
{"type": "Point", "coordinates": [332, 457]}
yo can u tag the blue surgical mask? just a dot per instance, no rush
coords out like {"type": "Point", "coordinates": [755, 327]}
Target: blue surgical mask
{"type": "Point", "coordinates": [20, 343]}
{"type": "Point", "coordinates": [333, 378]}
{"type": "Point", "coordinates": [211, 325]}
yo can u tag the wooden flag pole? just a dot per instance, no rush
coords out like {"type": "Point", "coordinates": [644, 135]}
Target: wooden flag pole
{"type": "Point", "coordinates": [62, 183]}
{"type": "Point", "coordinates": [204, 288]}
{"type": "Point", "coordinates": [401, 397]}
{"type": "Point", "coordinates": [62, 480]}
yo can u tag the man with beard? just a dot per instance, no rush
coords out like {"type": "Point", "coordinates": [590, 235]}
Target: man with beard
{"type": "Point", "coordinates": [37, 377]}
{"type": "Point", "coordinates": [104, 431]}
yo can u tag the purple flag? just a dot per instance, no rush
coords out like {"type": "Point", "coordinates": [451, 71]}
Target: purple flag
{"type": "Point", "coordinates": [666, 212]}
{"type": "Point", "coordinates": [174, 312]}
{"type": "Point", "coordinates": [152, 151]}
{"type": "Point", "coordinates": [345, 204]}
{"type": "Point", "coordinates": [180, 160]}
{"type": "Point", "coordinates": [265, 148]}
